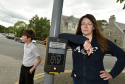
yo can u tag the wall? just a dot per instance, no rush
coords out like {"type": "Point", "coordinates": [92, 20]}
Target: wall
{"type": "Point", "coordinates": [115, 33]}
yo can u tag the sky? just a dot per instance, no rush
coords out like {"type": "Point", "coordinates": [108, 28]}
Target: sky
{"type": "Point", "coordinates": [12, 11]}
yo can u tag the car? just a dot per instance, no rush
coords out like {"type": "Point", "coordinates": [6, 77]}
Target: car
{"type": "Point", "coordinates": [17, 39]}
{"type": "Point", "coordinates": [68, 47]}
{"type": "Point", "coordinates": [11, 36]}
{"type": "Point", "coordinates": [33, 41]}
{"type": "Point", "coordinates": [3, 33]}
{"type": "Point", "coordinates": [21, 41]}
{"type": "Point", "coordinates": [45, 41]}
{"type": "Point", "coordinates": [6, 35]}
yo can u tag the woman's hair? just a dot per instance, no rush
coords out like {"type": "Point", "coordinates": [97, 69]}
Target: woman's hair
{"type": "Point", "coordinates": [29, 33]}
{"type": "Point", "coordinates": [101, 39]}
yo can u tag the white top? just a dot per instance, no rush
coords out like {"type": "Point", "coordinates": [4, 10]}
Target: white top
{"type": "Point", "coordinates": [30, 54]}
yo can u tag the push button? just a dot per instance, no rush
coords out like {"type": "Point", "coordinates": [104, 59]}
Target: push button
{"type": "Point", "coordinates": [54, 68]}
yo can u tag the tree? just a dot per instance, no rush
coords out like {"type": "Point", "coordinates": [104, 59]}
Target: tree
{"type": "Point", "coordinates": [19, 32]}
{"type": "Point", "coordinates": [40, 25]}
{"type": "Point", "coordinates": [102, 24]}
{"type": "Point", "coordinates": [45, 34]}
{"type": "Point", "coordinates": [10, 30]}
{"type": "Point", "coordinates": [33, 21]}
{"type": "Point", "coordinates": [2, 28]}
{"type": "Point", "coordinates": [121, 1]}
{"type": "Point", "coordinates": [19, 26]}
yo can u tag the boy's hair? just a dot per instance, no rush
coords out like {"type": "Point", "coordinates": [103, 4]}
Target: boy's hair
{"type": "Point", "coordinates": [29, 33]}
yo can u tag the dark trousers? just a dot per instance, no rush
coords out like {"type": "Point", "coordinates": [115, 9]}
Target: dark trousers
{"type": "Point", "coordinates": [74, 82]}
{"type": "Point", "coordinates": [25, 76]}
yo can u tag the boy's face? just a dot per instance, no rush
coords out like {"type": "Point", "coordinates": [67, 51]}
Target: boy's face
{"type": "Point", "coordinates": [25, 39]}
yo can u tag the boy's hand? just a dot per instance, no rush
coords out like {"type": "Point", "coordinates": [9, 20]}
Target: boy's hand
{"type": "Point", "coordinates": [88, 47]}
{"type": "Point", "coordinates": [31, 70]}
{"type": "Point", "coordinates": [36, 64]}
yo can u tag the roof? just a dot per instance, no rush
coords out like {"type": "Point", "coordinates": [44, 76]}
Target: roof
{"type": "Point", "coordinates": [69, 18]}
{"type": "Point", "coordinates": [121, 26]}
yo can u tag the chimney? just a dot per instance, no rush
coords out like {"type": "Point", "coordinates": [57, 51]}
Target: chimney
{"type": "Point", "coordinates": [112, 19]}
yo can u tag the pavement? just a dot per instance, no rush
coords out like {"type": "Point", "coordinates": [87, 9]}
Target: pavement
{"type": "Point", "coordinates": [65, 78]}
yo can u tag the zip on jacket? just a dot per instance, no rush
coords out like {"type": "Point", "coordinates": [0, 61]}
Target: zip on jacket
{"type": "Point", "coordinates": [84, 69]}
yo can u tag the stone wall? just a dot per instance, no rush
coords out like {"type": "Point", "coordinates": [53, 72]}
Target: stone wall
{"type": "Point", "coordinates": [68, 24]}
{"type": "Point", "coordinates": [64, 28]}
{"type": "Point", "coordinates": [39, 42]}
{"type": "Point", "coordinates": [113, 33]}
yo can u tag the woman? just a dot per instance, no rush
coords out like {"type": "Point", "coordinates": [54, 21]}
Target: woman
{"type": "Point", "coordinates": [88, 49]}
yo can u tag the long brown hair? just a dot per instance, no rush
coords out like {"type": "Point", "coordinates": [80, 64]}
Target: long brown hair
{"type": "Point", "coordinates": [97, 34]}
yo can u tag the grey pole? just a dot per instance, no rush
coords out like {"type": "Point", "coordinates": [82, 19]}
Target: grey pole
{"type": "Point", "coordinates": [54, 32]}
{"type": "Point", "coordinates": [56, 18]}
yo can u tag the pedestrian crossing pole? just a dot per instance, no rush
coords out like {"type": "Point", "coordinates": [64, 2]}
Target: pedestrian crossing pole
{"type": "Point", "coordinates": [54, 32]}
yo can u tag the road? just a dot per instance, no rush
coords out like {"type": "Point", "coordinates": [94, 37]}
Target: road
{"type": "Point", "coordinates": [11, 55]}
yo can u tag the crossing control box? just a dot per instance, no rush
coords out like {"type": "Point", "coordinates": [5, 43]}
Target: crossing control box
{"type": "Point", "coordinates": [55, 55]}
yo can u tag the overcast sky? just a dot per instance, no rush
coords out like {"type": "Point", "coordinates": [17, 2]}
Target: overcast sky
{"type": "Point", "coordinates": [13, 10]}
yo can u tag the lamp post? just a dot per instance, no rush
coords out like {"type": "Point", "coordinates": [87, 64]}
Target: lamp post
{"type": "Point", "coordinates": [54, 32]}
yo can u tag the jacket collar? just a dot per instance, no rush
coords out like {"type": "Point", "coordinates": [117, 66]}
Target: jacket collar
{"type": "Point", "coordinates": [93, 39]}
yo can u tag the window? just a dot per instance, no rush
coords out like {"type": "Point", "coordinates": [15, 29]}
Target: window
{"type": "Point", "coordinates": [69, 25]}
{"type": "Point", "coordinates": [74, 26]}
{"type": "Point", "coordinates": [109, 33]}
{"type": "Point", "coordinates": [114, 40]}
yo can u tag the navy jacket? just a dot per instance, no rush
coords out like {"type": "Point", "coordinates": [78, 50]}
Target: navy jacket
{"type": "Point", "coordinates": [86, 70]}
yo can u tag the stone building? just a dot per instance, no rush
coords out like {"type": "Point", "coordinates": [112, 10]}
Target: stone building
{"type": "Point", "coordinates": [115, 32]}
{"type": "Point", "coordinates": [68, 24]}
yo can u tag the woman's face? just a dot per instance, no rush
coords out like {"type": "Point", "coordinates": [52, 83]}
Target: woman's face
{"type": "Point", "coordinates": [87, 27]}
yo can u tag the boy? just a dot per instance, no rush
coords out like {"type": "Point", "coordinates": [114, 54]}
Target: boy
{"type": "Point", "coordinates": [31, 58]}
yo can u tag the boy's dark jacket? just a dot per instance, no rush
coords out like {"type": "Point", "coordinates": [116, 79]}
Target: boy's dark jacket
{"type": "Point", "coordinates": [86, 70]}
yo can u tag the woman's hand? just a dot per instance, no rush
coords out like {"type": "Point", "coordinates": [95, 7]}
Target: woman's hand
{"type": "Point", "coordinates": [88, 47]}
{"type": "Point", "coordinates": [105, 75]}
